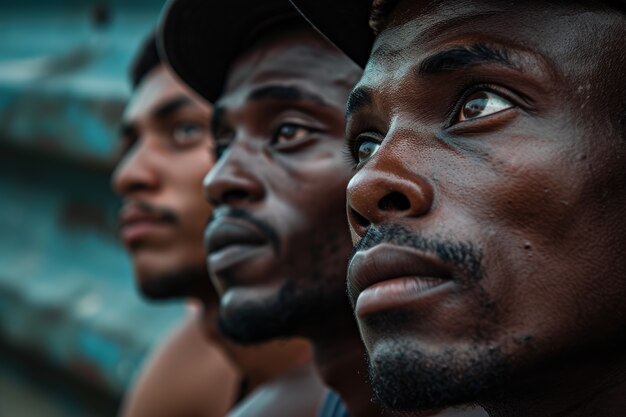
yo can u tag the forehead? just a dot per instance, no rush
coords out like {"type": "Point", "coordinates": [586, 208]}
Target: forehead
{"type": "Point", "coordinates": [157, 88]}
{"type": "Point", "coordinates": [555, 33]}
{"type": "Point", "coordinates": [300, 59]}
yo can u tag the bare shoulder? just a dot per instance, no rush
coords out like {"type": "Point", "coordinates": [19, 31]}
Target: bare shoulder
{"type": "Point", "coordinates": [187, 375]}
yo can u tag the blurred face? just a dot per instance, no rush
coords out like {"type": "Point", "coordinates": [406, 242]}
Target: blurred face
{"type": "Point", "coordinates": [278, 246]}
{"type": "Point", "coordinates": [488, 201]}
{"type": "Point", "coordinates": [167, 152]}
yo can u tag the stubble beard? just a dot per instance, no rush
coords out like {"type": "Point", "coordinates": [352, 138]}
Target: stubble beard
{"type": "Point", "coordinates": [311, 301]}
{"type": "Point", "coordinates": [408, 376]}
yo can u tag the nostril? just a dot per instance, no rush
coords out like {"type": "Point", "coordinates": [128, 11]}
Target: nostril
{"type": "Point", "coordinates": [232, 196]}
{"type": "Point", "coordinates": [394, 201]}
{"type": "Point", "coordinates": [362, 221]}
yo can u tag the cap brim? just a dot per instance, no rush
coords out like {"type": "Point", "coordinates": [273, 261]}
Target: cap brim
{"type": "Point", "coordinates": [345, 23]}
{"type": "Point", "coordinates": [200, 39]}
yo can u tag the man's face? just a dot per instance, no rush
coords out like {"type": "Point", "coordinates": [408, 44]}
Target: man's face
{"type": "Point", "coordinates": [168, 150]}
{"type": "Point", "coordinates": [278, 247]}
{"type": "Point", "coordinates": [489, 196]}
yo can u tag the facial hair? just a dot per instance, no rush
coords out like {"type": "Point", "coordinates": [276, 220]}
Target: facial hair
{"type": "Point", "coordinates": [185, 282]}
{"type": "Point", "coordinates": [313, 299]}
{"type": "Point", "coordinates": [404, 374]}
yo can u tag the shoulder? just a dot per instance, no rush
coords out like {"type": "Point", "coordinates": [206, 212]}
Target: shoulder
{"type": "Point", "coordinates": [177, 375]}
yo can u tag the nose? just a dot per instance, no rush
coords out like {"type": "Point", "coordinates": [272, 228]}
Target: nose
{"type": "Point", "coordinates": [234, 179]}
{"type": "Point", "coordinates": [379, 194]}
{"type": "Point", "coordinates": [135, 172]}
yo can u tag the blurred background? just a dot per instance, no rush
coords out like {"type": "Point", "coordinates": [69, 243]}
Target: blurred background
{"type": "Point", "coordinates": [73, 330]}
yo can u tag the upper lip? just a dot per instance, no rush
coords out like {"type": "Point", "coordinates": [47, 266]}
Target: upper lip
{"type": "Point", "coordinates": [227, 231]}
{"type": "Point", "coordinates": [387, 261]}
{"type": "Point", "coordinates": [131, 214]}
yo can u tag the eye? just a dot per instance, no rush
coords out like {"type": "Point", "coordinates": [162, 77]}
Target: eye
{"type": "Point", "coordinates": [289, 132]}
{"type": "Point", "coordinates": [362, 148]}
{"type": "Point", "coordinates": [366, 149]}
{"type": "Point", "coordinates": [482, 104]}
{"type": "Point", "coordinates": [188, 133]}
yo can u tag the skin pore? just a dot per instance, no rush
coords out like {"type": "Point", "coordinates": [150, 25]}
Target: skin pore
{"type": "Point", "coordinates": [168, 149]}
{"type": "Point", "coordinates": [278, 246]}
{"type": "Point", "coordinates": [487, 208]}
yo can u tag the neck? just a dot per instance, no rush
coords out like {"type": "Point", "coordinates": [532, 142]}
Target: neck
{"type": "Point", "coordinates": [263, 362]}
{"type": "Point", "coordinates": [342, 366]}
{"type": "Point", "coordinates": [593, 386]}
{"type": "Point", "coordinates": [340, 361]}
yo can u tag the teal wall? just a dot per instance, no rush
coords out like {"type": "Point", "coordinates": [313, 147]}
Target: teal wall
{"type": "Point", "coordinates": [73, 331]}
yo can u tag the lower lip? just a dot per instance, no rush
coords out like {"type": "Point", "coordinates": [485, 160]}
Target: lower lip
{"type": "Point", "coordinates": [233, 255]}
{"type": "Point", "coordinates": [137, 231]}
{"type": "Point", "coordinates": [398, 293]}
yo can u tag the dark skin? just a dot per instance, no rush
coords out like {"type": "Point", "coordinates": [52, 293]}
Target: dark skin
{"type": "Point", "coordinates": [489, 146]}
{"type": "Point", "coordinates": [167, 152]}
{"type": "Point", "coordinates": [279, 132]}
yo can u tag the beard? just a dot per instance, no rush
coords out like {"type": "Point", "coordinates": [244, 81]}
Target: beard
{"type": "Point", "coordinates": [405, 374]}
{"type": "Point", "coordinates": [185, 282]}
{"type": "Point", "coordinates": [279, 317]}
{"type": "Point", "coordinates": [405, 378]}
{"type": "Point", "coordinates": [300, 307]}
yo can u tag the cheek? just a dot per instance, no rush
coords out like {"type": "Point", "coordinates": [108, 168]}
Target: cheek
{"type": "Point", "coordinates": [534, 207]}
{"type": "Point", "coordinates": [317, 182]}
{"type": "Point", "coordinates": [311, 205]}
{"type": "Point", "coordinates": [528, 188]}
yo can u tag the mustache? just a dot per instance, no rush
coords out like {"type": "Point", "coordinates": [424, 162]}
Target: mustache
{"type": "Point", "coordinates": [465, 256]}
{"type": "Point", "coordinates": [163, 213]}
{"type": "Point", "coordinates": [267, 229]}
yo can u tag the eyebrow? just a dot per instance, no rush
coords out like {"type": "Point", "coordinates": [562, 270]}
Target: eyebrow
{"type": "Point", "coordinates": [171, 106]}
{"type": "Point", "coordinates": [270, 92]}
{"type": "Point", "coordinates": [128, 129]}
{"type": "Point", "coordinates": [465, 56]}
{"type": "Point", "coordinates": [286, 93]}
{"type": "Point", "coordinates": [450, 60]}
{"type": "Point", "coordinates": [358, 98]}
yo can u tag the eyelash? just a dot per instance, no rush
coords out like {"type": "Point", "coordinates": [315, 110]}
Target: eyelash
{"type": "Point", "coordinates": [348, 155]}
{"type": "Point", "coordinates": [473, 86]}
{"type": "Point", "coordinates": [350, 151]}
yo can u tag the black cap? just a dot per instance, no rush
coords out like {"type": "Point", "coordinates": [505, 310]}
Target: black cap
{"type": "Point", "coordinates": [344, 23]}
{"type": "Point", "coordinates": [200, 39]}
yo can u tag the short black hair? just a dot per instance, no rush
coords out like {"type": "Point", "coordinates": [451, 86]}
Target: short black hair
{"type": "Point", "coordinates": [146, 60]}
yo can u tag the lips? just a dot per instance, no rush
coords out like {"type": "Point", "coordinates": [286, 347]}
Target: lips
{"type": "Point", "coordinates": [231, 241]}
{"type": "Point", "coordinates": [389, 277]}
{"type": "Point", "coordinates": [136, 223]}
{"type": "Point", "coordinates": [224, 233]}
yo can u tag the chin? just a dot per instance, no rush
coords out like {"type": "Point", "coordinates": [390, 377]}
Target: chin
{"type": "Point", "coordinates": [183, 281]}
{"type": "Point", "coordinates": [253, 314]}
{"type": "Point", "coordinates": [407, 376]}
